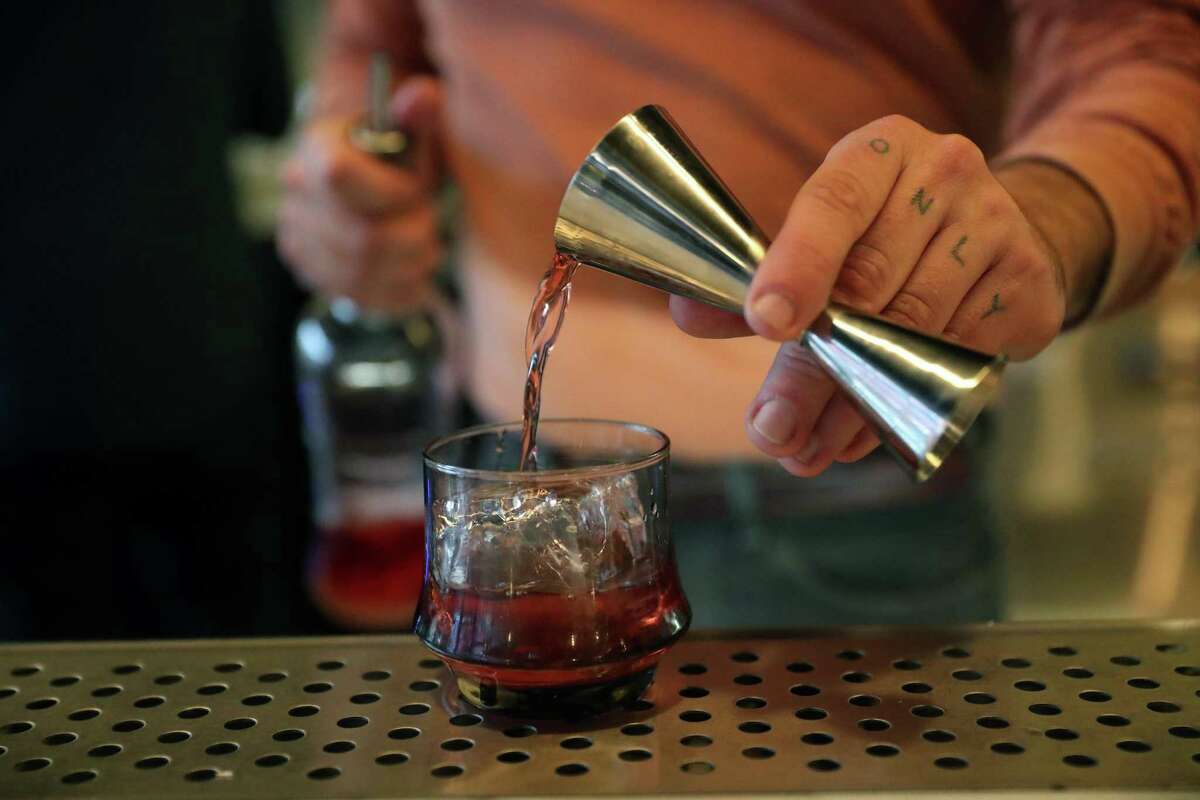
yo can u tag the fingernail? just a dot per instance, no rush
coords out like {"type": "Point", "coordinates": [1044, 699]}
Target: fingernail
{"type": "Point", "coordinates": [776, 420]}
{"type": "Point", "coordinates": [775, 310]}
{"type": "Point", "coordinates": [810, 450]}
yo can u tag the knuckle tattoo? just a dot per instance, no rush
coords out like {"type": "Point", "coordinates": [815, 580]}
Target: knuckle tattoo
{"type": "Point", "coordinates": [956, 251]}
{"type": "Point", "coordinates": [996, 307]}
{"type": "Point", "coordinates": [920, 201]}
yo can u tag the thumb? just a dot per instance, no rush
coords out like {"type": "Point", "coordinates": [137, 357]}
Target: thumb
{"type": "Point", "coordinates": [417, 110]}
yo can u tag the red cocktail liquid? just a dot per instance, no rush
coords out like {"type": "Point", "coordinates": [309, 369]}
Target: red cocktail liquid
{"type": "Point", "coordinates": [540, 653]}
{"type": "Point", "coordinates": [541, 332]}
{"type": "Point", "coordinates": [367, 575]}
{"type": "Point", "coordinates": [543, 653]}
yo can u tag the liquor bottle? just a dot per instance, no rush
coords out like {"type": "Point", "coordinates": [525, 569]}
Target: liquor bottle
{"type": "Point", "coordinates": [374, 389]}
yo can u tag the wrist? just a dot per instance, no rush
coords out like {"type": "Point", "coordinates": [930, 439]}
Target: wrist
{"type": "Point", "coordinates": [1073, 223]}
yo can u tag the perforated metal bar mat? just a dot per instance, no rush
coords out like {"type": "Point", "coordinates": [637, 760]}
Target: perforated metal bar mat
{"type": "Point", "coordinates": [1003, 707]}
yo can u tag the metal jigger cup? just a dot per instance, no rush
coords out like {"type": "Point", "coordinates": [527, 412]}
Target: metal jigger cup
{"type": "Point", "coordinates": [647, 206]}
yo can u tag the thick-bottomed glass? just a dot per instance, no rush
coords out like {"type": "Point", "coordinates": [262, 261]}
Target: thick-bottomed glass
{"type": "Point", "coordinates": [555, 590]}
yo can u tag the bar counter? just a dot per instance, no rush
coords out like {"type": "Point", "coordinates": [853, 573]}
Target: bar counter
{"type": "Point", "coordinates": [1001, 710]}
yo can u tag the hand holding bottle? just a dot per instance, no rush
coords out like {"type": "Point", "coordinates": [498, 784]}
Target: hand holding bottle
{"type": "Point", "coordinates": [354, 226]}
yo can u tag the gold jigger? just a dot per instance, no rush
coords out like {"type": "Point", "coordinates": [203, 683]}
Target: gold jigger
{"type": "Point", "coordinates": [647, 206]}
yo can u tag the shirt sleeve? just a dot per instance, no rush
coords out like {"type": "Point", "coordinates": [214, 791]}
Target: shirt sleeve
{"type": "Point", "coordinates": [354, 29]}
{"type": "Point", "coordinates": [1110, 91]}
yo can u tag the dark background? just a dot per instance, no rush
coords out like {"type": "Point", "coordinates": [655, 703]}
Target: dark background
{"type": "Point", "coordinates": [152, 481]}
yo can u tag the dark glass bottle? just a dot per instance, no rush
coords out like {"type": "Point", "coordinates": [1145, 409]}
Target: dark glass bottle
{"type": "Point", "coordinates": [373, 390]}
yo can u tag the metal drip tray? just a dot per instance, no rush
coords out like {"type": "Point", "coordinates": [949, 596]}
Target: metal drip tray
{"type": "Point", "coordinates": [1000, 707]}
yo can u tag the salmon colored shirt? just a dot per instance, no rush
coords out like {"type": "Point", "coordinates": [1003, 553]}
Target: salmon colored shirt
{"type": "Point", "coordinates": [1108, 89]}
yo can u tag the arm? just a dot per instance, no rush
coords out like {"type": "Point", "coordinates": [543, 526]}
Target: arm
{"type": "Point", "coordinates": [1092, 201]}
{"type": "Point", "coordinates": [1107, 93]}
{"type": "Point", "coordinates": [351, 225]}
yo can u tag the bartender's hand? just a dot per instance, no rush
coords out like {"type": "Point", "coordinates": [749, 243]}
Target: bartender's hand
{"type": "Point", "coordinates": [912, 225]}
{"type": "Point", "coordinates": [354, 226]}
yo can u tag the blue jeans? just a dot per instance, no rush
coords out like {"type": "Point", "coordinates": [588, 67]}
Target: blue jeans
{"type": "Point", "coordinates": [758, 548]}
